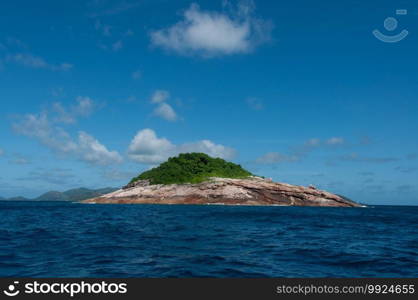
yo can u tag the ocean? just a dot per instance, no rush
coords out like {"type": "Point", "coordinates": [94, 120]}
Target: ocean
{"type": "Point", "coordinates": [59, 239]}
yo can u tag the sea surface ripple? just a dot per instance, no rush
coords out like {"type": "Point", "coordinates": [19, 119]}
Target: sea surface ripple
{"type": "Point", "coordinates": [59, 239]}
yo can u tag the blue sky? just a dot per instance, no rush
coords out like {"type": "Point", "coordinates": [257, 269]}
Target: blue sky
{"type": "Point", "coordinates": [94, 92]}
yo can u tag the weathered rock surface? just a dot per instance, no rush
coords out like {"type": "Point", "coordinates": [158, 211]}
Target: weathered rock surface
{"type": "Point", "coordinates": [225, 191]}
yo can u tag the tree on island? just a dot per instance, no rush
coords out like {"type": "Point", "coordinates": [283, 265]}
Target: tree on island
{"type": "Point", "coordinates": [192, 168]}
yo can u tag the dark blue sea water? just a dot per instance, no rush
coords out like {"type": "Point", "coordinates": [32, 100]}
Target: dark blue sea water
{"type": "Point", "coordinates": [56, 239]}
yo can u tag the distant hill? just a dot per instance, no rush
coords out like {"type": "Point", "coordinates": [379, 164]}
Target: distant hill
{"type": "Point", "coordinates": [70, 195]}
{"type": "Point", "coordinates": [192, 168]}
{"type": "Point", "coordinates": [16, 199]}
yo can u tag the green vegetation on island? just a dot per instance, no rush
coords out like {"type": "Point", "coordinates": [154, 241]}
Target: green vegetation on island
{"type": "Point", "coordinates": [192, 168]}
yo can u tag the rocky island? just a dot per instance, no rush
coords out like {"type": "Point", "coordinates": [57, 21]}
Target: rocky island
{"type": "Point", "coordinates": [196, 178]}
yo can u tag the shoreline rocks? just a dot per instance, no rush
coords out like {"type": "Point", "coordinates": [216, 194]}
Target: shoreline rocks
{"type": "Point", "coordinates": [224, 191]}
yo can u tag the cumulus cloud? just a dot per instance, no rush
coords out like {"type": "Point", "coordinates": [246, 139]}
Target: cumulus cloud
{"type": "Point", "coordinates": [48, 132]}
{"type": "Point", "coordinates": [210, 33]}
{"type": "Point", "coordinates": [146, 147]}
{"type": "Point", "coordinates": [160, 96]}
{"type": "Point", "coordinates": [166, 112]}
{"type": "Point", "coordinates": [163, 109]}
{"type": "Point", "coordinates": [92, 151]}
{"type": "Point", "coordinates": [208, 147]}
{"type": "Point", "coordinates": [29, 60]}
{"type": "Point", "coordinates": [83, 108]}
{"type": "Point", "coordinates": [39, 127]}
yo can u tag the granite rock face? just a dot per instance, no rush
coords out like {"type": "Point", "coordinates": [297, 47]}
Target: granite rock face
{"type": "Point", "coordinates": [224, 191]}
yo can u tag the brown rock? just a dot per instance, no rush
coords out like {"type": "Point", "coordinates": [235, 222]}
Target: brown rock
{"type": "Point", "coordinates": [225, 191]}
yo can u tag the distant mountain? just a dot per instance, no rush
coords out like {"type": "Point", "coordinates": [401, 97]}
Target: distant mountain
{"type": "Point", "coordinates": [17, 199]}
{"type": "Point", "coordinates": [51, 196]}
{"type": "Point", "coordinates": [70, 195]}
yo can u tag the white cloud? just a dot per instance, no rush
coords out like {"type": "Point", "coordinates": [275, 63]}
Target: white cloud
{"type": "Point", "coordinates": [1, 152]}
{"type": "Point", "coordinates": [160, 96]}
{"type": "Point", "coordinates": [147, 148]}
{"type": "Point", "coordinates": [40, 128]}
{"type": "Point", "coordinates": [335, 141]}
{"type": "Point", "coordinates": [208, 147]}
{"type": "Point", "coordinates": [163, 109]}
{"type": "Point", "coordinates": [90, 150]}
{"type": "Point", "coordinates": [29, 60]}
{"type": "Point", "coordinates": [63, 115]}
{"type": "Point", "coordinates": [166, 112]}
{"type": "Point", "coordinates": [86, 148]}
{"type": "Point", "coordinates": [209, 34]}
{"type": "Point", "coordinates": [275, 157]}
{"type": "Point", "coordinates": [83, 108]}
